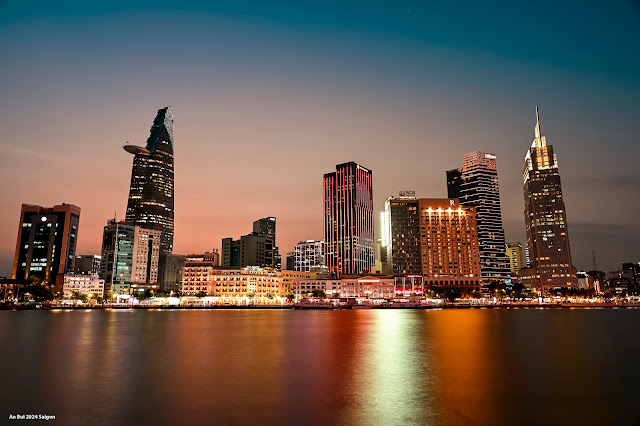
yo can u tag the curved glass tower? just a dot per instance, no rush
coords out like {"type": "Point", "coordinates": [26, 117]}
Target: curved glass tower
{"type": "Point", "coordinates": [151, 192]}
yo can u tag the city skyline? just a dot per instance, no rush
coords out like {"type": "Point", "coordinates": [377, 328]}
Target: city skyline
{"type": "Point", "coordinates": [431, 100]}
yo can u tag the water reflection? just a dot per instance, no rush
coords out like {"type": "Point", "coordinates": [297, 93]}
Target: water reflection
{"type": "Point", "coordinates": [445, 367]}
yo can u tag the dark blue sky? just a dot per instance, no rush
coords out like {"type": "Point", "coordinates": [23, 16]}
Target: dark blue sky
{"type": "Point", "coordinates": [268, 96]}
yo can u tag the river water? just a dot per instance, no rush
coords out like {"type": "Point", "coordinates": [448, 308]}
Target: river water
{"type": "Point", "coordinates": [365, 367]}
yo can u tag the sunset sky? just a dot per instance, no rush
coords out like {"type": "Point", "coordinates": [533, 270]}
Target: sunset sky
{"type": "Point", "coordinates": [269, 96]}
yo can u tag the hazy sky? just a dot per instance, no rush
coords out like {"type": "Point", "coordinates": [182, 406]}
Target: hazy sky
{"type": "Point", "coordinates": [269, 96]}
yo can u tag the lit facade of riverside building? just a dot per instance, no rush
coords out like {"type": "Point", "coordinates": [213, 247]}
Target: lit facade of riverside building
{"type": "Point", "coordinates": [151, 198]}
{"type": "Point", "coordinates": [449, 243]}
{"type": "Point", "coordinates": [545, 219]}
{"type": "Point", "coordinates": [476, 184]}
{"type": "Point", "coordinates": [231, 285]}
{"type": "Point", "coordinates": [348, 219]}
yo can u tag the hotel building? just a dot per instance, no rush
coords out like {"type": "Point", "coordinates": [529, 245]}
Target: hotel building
{"type": "Point", "coordinates": [231, 284]}
{"type": "Point", "coordinates": [348, 219]}
{"type": "Point", "coordinates": [449, 243]}
{"type": "Point", "coordinates": [46, 244]}
{"type": "Point", "coordinates": [91, 285]}
{"type": "Point", "coordinates": [545, 218]}
{"type": "Point", "coordinates": [476, 184]}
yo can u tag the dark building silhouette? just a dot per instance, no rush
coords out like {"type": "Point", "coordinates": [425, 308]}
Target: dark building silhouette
{"type": "Point", "coordinates": [151, 195]}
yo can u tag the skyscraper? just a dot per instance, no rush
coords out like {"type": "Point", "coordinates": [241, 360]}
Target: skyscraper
{"type": "Point", "coordinates": [151, 192]}
{"type": "Point", "coordinates": [476, 184]}
{"type": "Point", "coordinates": [545, 217]}
{"type": "Point", "coordinates": [348, 219]}
{"type": "Point", "coordinates": [46, 245]}
{"type": "Point", "coordinates": [402, 223]}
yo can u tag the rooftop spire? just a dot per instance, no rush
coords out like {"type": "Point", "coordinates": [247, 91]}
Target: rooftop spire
{"type": "Point", "coordinates": [537, 129]}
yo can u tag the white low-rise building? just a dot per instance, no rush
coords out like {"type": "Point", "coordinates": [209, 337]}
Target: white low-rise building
{"type": "Point", "coordinates": [370, 286]}
{"type": "Point", "coordinates": [91, 285]}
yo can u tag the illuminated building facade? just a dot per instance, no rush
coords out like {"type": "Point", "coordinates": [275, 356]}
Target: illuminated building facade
{"type": "Point", "coordinates": [476, 184]}
{"type": "Point", "coordinates": [449, 243]}
{"type": "Point", "coordinates": [309, 255]}
{"type": "Point", "coordinates": [369, 286]}
{"type": "Point", "coordinates": [90, 285]}
{"type": "Point", "coordinates": [545, 217]}
{"type": "Point", "coordinates": [130, 254]}
{"type": "Point", "coordinates": [230, 283]}
{"type": "Point", "coordinates": [515, 255]}
{"type": "Point", "coordinates": [151, 195]}
{"type": "Point", "coordinates": [402, 225]}
{"type": "Point", "coordinates": [348, 219]}
{"type": "Point", "coordinates": [46, 244]}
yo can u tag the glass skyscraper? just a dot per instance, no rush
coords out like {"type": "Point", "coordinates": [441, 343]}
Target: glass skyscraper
{"type": "Point", "coordinates": [151, 192]}
{"type": "Point", "coordinates": [348, 219]}
{"type": "Point", "coordinates": [476, 184]}
{"type": "Point", "coordinates": [545, 217]}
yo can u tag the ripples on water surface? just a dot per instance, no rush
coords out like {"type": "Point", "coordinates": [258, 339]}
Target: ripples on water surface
{"type": "Point", "coordinates": [382, 367]}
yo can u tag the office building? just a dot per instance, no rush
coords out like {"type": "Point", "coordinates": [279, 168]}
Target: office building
{"type": "Point", "coordinates": [309, 255]}
{"type": "Point", "coordinates": [87, 264]}
{"type": "Point", "coordinates": [546, 218]}
{"type": "Point", "coordinates": [449, 244]}
{"type": "Point", "coordinates": [402, 225]}
{"type": "Point", "coordinates": [151, 197]}
{"type": "Point", "coordinates": [348, 219]}
{"type": "Point", "coordinates": [515, 254]}
{"type": "Point", "coordinates": [130, 254]}
{"type": "Point", "coordinates": [476, 184]}
{"type": "Point", "coordinates": [290, 264]}
{"type": "Point", "coordinates": [267, 226]}
{"type": "Point", "coordinates": [170, 271]}
{"type": "Point", "coordinates": [250, 250]}
{"type": "Point", "coordinates": [46, 243]}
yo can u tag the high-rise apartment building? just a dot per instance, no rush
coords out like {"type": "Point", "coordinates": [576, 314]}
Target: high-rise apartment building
{"type": "Point", "coordinates": [401, 224]}
{"type": "Point", "coordinates": [348, 219]}
{"type": "Point", "coordinates": [545, 217]}
{"type": "Point", "coordinates": [309, 255]}
{"type": "Point", "coordinates": [46, 244]}
{"type": "Point", "coordinates": [476, 184]}
{"type": "Point", "coordinates": [449, 243]}
{"type": "Point", "coordinates": [515, 255]}
{"type": "Point", "coordinates": [130, 254]}
{"type": "Point", "coordinates": [151, 199]}
{"type": "Point", "coordinates": [87, 264]}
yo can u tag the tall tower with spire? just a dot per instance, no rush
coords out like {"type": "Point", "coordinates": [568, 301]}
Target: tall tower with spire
{"type": "Point", "coordinates": [150, 202]}
{"type": "Point", "coordinates": [545, 218]}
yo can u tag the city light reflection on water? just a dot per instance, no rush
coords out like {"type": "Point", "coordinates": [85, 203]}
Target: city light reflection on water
{"type": "Point", "coordinates": [477, 367]}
